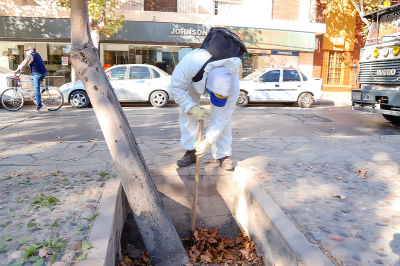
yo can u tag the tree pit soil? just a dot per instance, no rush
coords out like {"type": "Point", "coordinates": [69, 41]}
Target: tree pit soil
{"type": "Point", "coordinates": [207, 249]}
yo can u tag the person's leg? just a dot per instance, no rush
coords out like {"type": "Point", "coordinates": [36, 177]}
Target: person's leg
{"type": "Point", "coordinates": [36, 88]}
{"type": "Point", "coordinates": [189, 133]}
{"type": "Point", "coordinates": [223, 146]}
{"type": "Point", "coordinates": [189, 126]}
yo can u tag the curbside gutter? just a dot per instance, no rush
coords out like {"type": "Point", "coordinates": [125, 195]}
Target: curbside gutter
{"type": "Point", "coordinates": [276, 238]}
{"type": "Point", "coordinates": [106, 232]}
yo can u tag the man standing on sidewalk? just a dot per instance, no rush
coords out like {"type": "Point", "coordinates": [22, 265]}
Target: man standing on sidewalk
{"type": "Point", "coordinates": [215, 67]}
{"type": "Point", "coordinates": [38, 71]}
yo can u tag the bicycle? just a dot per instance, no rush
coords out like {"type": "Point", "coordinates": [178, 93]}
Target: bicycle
{"type": "Point", "coordinates": [12, 99]}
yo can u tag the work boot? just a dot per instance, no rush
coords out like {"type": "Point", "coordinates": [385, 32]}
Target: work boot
{"type": "Point", "coordinates": [187, 159]}
{"type": "Point", "coordinates": [226, 163]}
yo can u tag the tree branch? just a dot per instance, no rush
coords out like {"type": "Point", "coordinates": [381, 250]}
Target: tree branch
{"type": "Point", "coordinates": [360, 12]}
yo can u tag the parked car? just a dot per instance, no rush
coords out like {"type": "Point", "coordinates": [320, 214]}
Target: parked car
{"type": "Point", "coordinates": [279, 85]}
{"type": "Point", "coordinates": [131, 83]}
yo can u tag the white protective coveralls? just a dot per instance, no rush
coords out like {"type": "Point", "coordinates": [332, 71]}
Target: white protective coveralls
{"type": "Point", "coordinates": [187, 94]}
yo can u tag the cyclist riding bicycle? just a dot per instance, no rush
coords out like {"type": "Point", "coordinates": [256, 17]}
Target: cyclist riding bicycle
{"type": "Point", "coordinates": [38, 71]}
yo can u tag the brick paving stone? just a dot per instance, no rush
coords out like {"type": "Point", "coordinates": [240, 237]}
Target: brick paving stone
{"type": "Point", "coordinates": [366, 221]}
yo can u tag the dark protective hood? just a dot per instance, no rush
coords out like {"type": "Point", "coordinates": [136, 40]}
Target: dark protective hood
{"type": "Point", "coordinates": [221, 43]}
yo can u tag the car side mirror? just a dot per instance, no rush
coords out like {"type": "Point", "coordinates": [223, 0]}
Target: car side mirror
{"type": "Point", "coordinates": [260, 80]}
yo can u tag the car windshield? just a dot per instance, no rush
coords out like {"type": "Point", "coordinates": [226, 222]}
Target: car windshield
{"type": "Point", "coordinates": [387, 29]}
{"type": "Point", "coordinates": [253, 75]}
{"type": "Point", "coordinates": [162, 71]}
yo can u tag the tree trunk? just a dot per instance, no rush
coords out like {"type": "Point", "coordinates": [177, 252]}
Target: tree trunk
{"type": "Point", "coordinates": [155, 226]}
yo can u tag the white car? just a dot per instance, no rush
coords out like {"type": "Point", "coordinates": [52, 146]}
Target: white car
{"type": "Point", "coordinates": [279, 85]}
{"type": "Point", "coordinates": [131, 83]}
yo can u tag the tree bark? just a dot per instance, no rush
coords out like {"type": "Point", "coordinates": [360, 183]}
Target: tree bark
{"type": "Point", "coordinates": [159, 235]}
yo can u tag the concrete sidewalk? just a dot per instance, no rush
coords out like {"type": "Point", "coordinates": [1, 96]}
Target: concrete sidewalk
{"type": "Point", "coordinates": [341, 193]}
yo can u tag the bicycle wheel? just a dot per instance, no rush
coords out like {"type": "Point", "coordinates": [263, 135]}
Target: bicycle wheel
{"type": "Point", "coordinates": [12, 99]}
{"type": "Point", "coordinates": [52, 98]}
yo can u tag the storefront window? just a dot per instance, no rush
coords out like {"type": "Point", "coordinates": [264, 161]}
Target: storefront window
{"type": "Point", "coordinates": [56, 57]}
{"type": "Point", "coordinates": [163, 57]}
{"type": "Point", "coordinates": [58, 64]}
{"type": "Point", "coordinates": [253, 62]}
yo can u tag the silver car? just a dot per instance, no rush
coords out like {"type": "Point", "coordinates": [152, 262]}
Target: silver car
{"type": "Point", "coordinates": [131, 83]}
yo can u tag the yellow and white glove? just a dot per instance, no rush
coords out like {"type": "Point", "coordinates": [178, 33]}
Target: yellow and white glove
{"type": "Point", "coordinates": [202, 147]}
{"type": "Point", "coordinates": [198, 113]}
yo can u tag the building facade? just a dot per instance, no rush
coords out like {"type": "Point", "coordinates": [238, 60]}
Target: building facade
{"type": "Point", "coordinates": [340, 46]}
{"type": "Point", "coordinates": [277, 33]}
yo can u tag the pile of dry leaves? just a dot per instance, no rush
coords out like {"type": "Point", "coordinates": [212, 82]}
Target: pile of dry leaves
{"type": "Point", "coordinates": [208, 248]}
{"type": "Point", "coordinates": [211, 249]}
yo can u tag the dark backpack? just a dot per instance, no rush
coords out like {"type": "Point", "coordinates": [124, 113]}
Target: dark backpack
{"type": "Point", "coordinates": [221, 43]}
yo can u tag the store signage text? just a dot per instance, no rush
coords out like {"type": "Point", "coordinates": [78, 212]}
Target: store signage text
{"type": "Point", "coordinates": [285, 52]}
{"type": "Point", "coordinates": [386, 72]}
{"type": "Point", "coordinates": [193, 32]}
{"type": "Point", "coordinates": [64, 61]}
{"type": "Point", "coordinates": [258, 51]}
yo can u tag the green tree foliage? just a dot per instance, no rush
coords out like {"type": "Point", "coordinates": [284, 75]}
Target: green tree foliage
{"type": "Point", "coordinates": [362, 7]}
{"type": "Point", "coordinates": [104, 15]}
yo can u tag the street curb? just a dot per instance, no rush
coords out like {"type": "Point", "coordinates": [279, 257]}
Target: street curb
{"type": "Point", "coordinates": [276, 238]}
{"type": "Point", "coordinates": [106, 232]}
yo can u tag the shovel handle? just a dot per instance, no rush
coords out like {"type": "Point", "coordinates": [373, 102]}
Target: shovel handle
{"type": "Point", "coordinates": [196, 182]}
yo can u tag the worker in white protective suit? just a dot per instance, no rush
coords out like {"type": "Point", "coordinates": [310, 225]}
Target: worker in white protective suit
{"type": "Point", "coordinates": [221, 80]}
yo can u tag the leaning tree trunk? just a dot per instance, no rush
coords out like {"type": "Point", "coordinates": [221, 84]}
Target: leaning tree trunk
{"type": "Point", "coordinates": [155, 226]}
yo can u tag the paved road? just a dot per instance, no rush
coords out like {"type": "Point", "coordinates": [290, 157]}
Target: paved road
{"type": "Point", "coordinates": [256, 120]}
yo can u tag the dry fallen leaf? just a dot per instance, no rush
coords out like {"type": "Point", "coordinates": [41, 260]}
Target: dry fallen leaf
{"type": "Point", "coordinates": [340, 196]}
{"type": "Point", "coordinates": [80, 146]}
{"type": "Point", "coordinates": [59, 142]}
{"type": "Point", "coordinates": [76, 159]}
{"type": "Point", "coordinates": [362, 173]}
{"type": "Point", "coordinates": [4, 157]}
{"type": "Point", "coordinates": [29, 141]}
{"type": "Point", "coordinates": [60, 171]}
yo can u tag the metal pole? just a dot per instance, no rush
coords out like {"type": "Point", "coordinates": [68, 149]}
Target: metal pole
{"type": "Point", "coordinates": [196, 185]}
{"type": "Point", "coordinates": [355, 76]}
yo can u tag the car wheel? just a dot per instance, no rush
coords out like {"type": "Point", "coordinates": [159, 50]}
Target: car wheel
{"type": "Point", "coordinates": [392, 118]}
{"type": "Point", "coordinates": [159, 99]}
{"type": "Point", "coordinates": [79, 99]}
{"type": "Point", "coordinates": [305, 100]}
{"type": "Point", "coordinates": [243, 99]}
